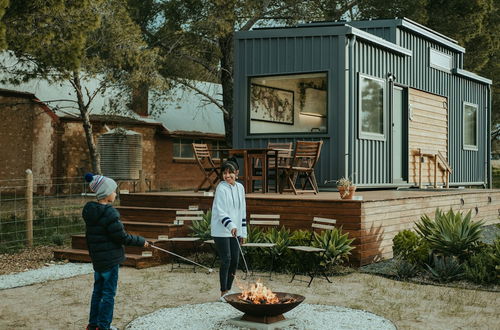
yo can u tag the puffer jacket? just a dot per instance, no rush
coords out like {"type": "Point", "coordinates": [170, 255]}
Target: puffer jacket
{"type": "Point", "coordinates": [106, 236]}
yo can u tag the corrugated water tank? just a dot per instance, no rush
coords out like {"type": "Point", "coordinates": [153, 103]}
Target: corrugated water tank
{"type": "Point", "coordinates": [121, 154]}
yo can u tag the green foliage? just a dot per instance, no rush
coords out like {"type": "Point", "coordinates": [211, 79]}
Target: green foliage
{"type": "Point", "coordinates": [408, 246]}
{"type": "Point", "coordinates": [301, 237]}
{"type": "Point", "coordinates": [451, 234]}
{"type": "Point", "coordinates": [3, 40]}
{"type": "Point", "coordinates": [404, 269]}
{"type": "Point", "coordinates": [201, 228]}
{"type": "Point", "coordinates": [336, 244]}
{"type": "Point", "coordinates": [281, 237]}
{"type": "Point", "coordinates": [480, 268]}
{"type": "Point", "coordinates": [445, 269]}
{"type": "Point", "coordinates": [58, 239]}
{"type": "Point", "coordinates": [255, 234]}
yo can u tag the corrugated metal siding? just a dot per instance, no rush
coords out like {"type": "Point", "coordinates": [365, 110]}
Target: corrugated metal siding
{"type": "Point", "coordinates": [468, 166]}
{"type": "Point", "coordinates": [291, 55]}
{"type": "Point", "coordinates": [372, 158]}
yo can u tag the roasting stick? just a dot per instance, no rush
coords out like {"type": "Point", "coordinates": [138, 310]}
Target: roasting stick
{"type": "Point", "coordinates": [244, 260]}
{"type": "Point", "coordinates": [210, 270]}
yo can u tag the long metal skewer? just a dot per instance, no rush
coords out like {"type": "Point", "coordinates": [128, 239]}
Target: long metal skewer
{"type": "Point", "coordinates": [241, 251]}
{"type": "Point", "coordinates": [210, 270]}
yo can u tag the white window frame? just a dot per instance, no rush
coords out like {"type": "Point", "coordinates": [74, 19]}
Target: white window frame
{"type": "Point", "coordinates": [215, 144]}
{"type": "Point", "coordinates": [369, 135]}
{"type": "Point", "coordinates": [437, 66]}
{"type": "Point", "coordinates": [468, 146]}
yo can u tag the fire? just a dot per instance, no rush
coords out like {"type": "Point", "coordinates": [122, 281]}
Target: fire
{"type": "Point", "coordinates": [259, 294]}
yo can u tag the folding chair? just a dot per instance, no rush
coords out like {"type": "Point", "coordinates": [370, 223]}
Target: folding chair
{"type": "Point", "coordinates": [284, 158]}
{"type": "Point", "coordinates": [304, 159]}
{"type": "Point", "coordinates": [313, 254]}
{"type": "Point", "coordinates": [210, 171]}
{"type": "Point", "coordinates": [267, 220]}
{"type": "Point", "coordinates": [181, 216]}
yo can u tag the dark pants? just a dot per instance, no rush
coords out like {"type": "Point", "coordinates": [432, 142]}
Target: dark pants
{"type": "Point", "coordinates": [103, 298]}
{"type": "Point", "coordinates": [227, 248]}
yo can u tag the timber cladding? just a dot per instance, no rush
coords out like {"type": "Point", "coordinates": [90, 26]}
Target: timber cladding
{"type": "Point", "coordinates": [428, 130]}
{"type": "Point", "coordinates": [372, 222]}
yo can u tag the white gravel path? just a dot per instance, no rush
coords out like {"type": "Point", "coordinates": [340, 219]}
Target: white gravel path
{"type": "Point", "coordinates": [52, 272]}
{"type": "Point", "coordinates": [215, 316]}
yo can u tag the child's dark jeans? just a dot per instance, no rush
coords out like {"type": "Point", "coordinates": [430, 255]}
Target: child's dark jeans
{"type": "Point", "coordinates": [103, 298]}
{"type": "Point", "coordinates": [228, 250]}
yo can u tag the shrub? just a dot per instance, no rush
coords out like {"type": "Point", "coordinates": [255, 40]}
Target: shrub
{"type": "Point", "coordinates": [201, 228]}
{"type": "Point", "coordinates": [445, 268]}
{"type": "Point", "coordinates": [281, 237]}
{"type": "Point", "coordinates": [404, 269]}
{"type": "Point", "coordinates": [336, 244]}
{"type": "Point", "coordinates": [410, 247]}
{"type": "Point", "coordinates": [450, 234]}
{"type": "Point", "coordinates": [480, 268]}
{"type": "Point", "coordinates": [58, 239]}
{"type": "Point", "coordinates": [255, 234]}
{"type": "Point", "coordinates": [300, 237]}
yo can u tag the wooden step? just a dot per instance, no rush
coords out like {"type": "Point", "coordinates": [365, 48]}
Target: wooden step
{"type": "Point", "coordinates": [147, 214]}
{"type": "Point", "coordinates": [79, 242]}
{"type": "Point", "coordinates": [153, 229]}
{"type": "Point", "coordinates": [133, 260]}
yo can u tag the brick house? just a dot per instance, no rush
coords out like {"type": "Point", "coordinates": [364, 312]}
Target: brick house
{"type": "Point", "coordinates": [37, 135]}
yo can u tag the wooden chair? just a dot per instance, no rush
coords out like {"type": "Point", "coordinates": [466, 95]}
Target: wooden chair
{"type": "Point", "coordinates": [266, 220]}
{"type": "Point", "coordinates": [284, 155]}
{"type": "Point", "coordinates": [181, 216]}
{"type": "Point", "coordinates": [313, 254]}
{"type": "Point", "coordinates": [304, 159]}
{"type": "Point", "coordinates": [210, 171]}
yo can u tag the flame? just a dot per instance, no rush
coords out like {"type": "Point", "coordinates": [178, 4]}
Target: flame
{"type": "Point", "coordinates": [259, 294]}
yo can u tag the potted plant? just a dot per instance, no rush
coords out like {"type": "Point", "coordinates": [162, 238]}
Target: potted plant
{"type": "Point", "coordinates": [346, 188]}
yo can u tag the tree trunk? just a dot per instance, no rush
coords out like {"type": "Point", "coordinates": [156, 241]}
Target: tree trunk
{"type": "Point", "coordinates": [87, 126]}
{"type": "Point", "coordinates": [226, 78]}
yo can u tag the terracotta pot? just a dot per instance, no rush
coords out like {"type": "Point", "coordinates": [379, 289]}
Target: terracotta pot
{"type": "Point", "coordinates": [346, 195]}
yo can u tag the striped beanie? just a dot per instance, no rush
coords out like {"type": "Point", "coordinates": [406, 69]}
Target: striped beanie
{"type": "Point", "coordinates": [101, 185]}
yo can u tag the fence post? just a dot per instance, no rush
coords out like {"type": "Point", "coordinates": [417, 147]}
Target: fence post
{"type": "Point", "coordinates": [29, 207]}
{"type": "Point", "coordinates": [142, 182]}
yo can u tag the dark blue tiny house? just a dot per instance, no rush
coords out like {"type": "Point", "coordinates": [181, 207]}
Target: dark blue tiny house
{"type": "Point", "coordinates": [389, 98]}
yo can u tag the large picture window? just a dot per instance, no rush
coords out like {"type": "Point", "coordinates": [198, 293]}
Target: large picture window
{"type": "Point", "coordinates": [371, 108]}
{"type": "Point", "coordinates": [288, 103]}
{"type": "Point", "coordinates": [470, 126]}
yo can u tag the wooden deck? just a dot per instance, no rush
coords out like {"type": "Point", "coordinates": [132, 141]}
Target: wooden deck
{"type": "Point", "coordinates": [373, 221]}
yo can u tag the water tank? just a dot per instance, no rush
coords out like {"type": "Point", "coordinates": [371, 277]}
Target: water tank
{"type": "Point", "coordinates": [121, 154]}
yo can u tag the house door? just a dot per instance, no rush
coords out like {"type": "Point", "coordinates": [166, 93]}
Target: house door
{"type": "Point", "coordinates": [398, 137]}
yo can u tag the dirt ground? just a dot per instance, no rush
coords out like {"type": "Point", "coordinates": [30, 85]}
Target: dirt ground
{"type": "Point", "coordinates": [63, 304]}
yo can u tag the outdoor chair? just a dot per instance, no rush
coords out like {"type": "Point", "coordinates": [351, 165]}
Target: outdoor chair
{"type": "Point", "coordinates": [263, 220]}
{"type": "Point", "coordinates": [304, 159]}
{"type": "Point", "coordinates": [309, 255]}
{"type": "Point", "coordinates": [210, 171]}
{"type": "Point", "coordinates": [181, 216]}
{"type": "Point", "coordinates": [284, 156]}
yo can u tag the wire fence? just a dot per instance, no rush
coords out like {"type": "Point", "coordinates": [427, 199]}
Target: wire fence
{"type": "Point", "coordinates": [36, 211]}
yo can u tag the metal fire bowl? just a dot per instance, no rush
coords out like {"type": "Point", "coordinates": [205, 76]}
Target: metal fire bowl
{"type": "Point", "coordinates": [265, 309]}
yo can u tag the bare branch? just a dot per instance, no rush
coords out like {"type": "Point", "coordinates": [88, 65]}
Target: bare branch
{"type": "Point", "coordinates": [199, 91]}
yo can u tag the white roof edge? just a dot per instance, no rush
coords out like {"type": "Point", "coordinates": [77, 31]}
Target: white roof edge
{"type": "Point", "coordinates": [472, 76]}
{"type": "Point", "coordinates": [426, 32]}
{"type": "Point", "coordinates": [381, 42]}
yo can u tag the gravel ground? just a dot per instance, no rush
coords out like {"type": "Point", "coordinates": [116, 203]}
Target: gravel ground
{"type": "Point", "coordinates": [216, 315]}
{"type": "Point", "coordinates": [41, 275]}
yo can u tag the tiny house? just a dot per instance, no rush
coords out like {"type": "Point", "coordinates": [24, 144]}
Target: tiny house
{"type": "Point", "coordinates": [389, 98]}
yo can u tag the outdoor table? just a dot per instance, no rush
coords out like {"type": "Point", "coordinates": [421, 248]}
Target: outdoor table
{"type": "Point", "coordinates": [248, 154]}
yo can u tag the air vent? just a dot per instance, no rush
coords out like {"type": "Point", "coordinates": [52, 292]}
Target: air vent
{"type": "Point", "coordinates": [121, 154]}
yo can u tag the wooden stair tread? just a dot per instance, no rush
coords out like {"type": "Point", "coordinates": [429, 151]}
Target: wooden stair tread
{"type": "Point", "coordinates": [149, 239]}
{"type": "Point", "coordinates": [85, 252]}
{"type": "Point", "coordinates": [148, 208]}
{"type": "Point", "coordinates": [160, 224]}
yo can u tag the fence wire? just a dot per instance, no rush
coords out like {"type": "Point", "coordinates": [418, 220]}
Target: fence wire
{"type": "Point", "coordinates": [57, 207]}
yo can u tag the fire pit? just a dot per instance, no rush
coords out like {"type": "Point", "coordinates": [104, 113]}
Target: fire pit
{"type": "Point", "coordinates": [262, 305]}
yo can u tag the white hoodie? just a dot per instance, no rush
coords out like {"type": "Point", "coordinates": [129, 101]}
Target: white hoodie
{"type": "Point", "coordinates": [229, 210]}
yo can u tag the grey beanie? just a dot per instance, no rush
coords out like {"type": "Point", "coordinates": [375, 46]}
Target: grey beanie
{"type": "Point", "coordinates": [102, 186]}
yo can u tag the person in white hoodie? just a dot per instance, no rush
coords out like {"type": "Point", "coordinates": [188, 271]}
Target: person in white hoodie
{"type": "Point", "coordinates": [228, 223]}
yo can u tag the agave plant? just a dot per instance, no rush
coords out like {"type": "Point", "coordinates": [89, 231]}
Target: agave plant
{"type": "Point", "coordinates": [337, 245]}
{"type": "Point", "coordinates": [446, 269]}
{"type": "Point", "coordinates": [281, 237]}
{"type": "Point", "coordinates": [409, 246]}
{"type": "Point", "coordinates": [201, 228]}
{"type": "Point", "coordinates": [255, 234]}
{"type": "Point", "coordinates": [451, 234]}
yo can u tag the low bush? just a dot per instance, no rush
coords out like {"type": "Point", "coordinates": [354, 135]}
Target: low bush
{"type": "Point", "coordinates": [404, 269]}
{"type": "Point", "coordinates": [410, 247]}
{"type": "Point", "coordinates": [445, 269]}
{"type": "Point", "coordinates": [202, 228]}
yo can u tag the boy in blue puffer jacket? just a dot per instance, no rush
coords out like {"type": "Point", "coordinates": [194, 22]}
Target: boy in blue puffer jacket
{"type": "Point", "coordinates": [105, 237]}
